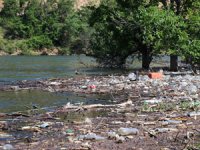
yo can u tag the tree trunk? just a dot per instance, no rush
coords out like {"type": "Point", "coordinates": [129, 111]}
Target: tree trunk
{"type": "Point", "coordinates": [173, 62]}
{"type": "Point", "coordinates": [146, 59]}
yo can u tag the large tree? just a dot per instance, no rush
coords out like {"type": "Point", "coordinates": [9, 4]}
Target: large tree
{"type": "Point", "coordinates": [192, 51]}
{"type": "Point", "coordinates": [129, 26]}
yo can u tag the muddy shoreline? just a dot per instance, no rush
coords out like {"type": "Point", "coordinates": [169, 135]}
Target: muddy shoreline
{"type": "Point", "coordinates": [164, 112]}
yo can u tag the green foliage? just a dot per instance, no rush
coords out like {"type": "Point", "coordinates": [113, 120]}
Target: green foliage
{"type": "Point", "coordinates": [111, 32]}
{"type": "Point", "coordinates": [39, 42]}
{"type": "Point", "coordinates": [135, 26]}
{"type": "Point", "coordinates": [161, 29]}
{"type": "Point", "coordinates": [43, 24]}
{"type": "Point", "coordinates": [193, 21]}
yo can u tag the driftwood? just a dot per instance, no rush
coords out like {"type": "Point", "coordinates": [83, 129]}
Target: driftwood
{"type": "Point", "coordinates": [125, 104]}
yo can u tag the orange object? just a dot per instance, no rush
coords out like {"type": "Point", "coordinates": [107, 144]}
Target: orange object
{"type": "Point", "coordinates": [155, 75]}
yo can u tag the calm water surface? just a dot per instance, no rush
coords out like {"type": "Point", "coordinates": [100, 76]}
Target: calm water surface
{"type": "Point", "coordinates": [15, 68]}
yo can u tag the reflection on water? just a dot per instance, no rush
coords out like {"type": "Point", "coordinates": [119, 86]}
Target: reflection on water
{"type": "Point", "coordinates": [25, 100]}
{"type": "Point", "coordinates": [14, 68]}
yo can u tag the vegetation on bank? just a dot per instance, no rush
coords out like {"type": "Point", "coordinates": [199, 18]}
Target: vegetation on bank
{"type": "Point", "coordinates": [111, 31]}
{"type": "Point", "coordinates": [147, 28]}
{"type": "Point", "coordinates": [37, 25]}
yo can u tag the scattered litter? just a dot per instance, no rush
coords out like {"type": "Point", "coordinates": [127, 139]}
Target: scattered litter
{"type": "Point", "coordinates": [112, 135]}
{"type": "Point", "coordinates": [127, 131]}
{"type": "Point", "coordinates": [44, 125]}
{"type": "Point", "coordinates": [164, 130]}
{"type": "Point", "coordinates": [8, 147]}
{"type": "Point", "coordinates": [191, 114]}
{"type": "Point", "coordinates": [132, 77]}
{"type": "Point", "coordinates": [69, 132]}
{"type": "Point", "coordinates": [91, 136]}
{"type": "Point", "coordinates": [166, 122]}
{"type": "Point", "coordinates": [153, 101]}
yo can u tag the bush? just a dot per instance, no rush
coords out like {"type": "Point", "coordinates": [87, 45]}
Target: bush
{"type": "Point", "coordinates": [39, 42]}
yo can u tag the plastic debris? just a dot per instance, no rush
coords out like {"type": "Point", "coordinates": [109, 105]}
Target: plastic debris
{"type": "Point", "coordinates": [164, 130]}
{"type": "Point", "coordinates": [132, 77]}
{"type": "Point", "coordinates": [166, 122]}
{"type": "Point", "coordinates": [4, 135]}
{"type": "Point", "coordinates": [191, 114]}
{"type": "Point", "coordinates": [128, 131]}
{"type": "Point", "coordinates": [88, 121]}
{"type": "Point", "coordinates": [8, 147]}
{"type": "Point", "coordinates": [69, 132]}
{"type": "Point", "coordinates": [120, 139]}
{"type": "Point", "coordinates": [44, 125]}
{"type": "Point", "coordinates": [83, 87]}
{"type": "Point", "coordinates": [55, 83]}
{"type": "Point", "coordinates": [92, 86]}
{"type": "Point", "coordinates": [91, 136]}
{"type": "Point", "coordinates": [153, 101]}
{"type": "Point", "coordinates": [29, 128]}
{"type": "Point", "coordinates": [86, 145]}
{"type": "Point", "coordinates": [156, 75]}
{"type": "Point", "coordinates": [112, 135]}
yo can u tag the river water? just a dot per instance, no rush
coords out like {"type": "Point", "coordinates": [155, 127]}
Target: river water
{"type": "Point", "coordinates": [16, 68]}
{"type": "Point", "coordinates": [13, 68]}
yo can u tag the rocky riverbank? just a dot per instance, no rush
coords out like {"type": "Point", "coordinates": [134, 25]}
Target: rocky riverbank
{"type": "Point", "coordinates": [146, 114]}
{"type": "Point", "coordinates": [48, 52]}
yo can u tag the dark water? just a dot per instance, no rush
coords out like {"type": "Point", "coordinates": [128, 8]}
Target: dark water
{"type": "Point", "coordinates": [15, 68]}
